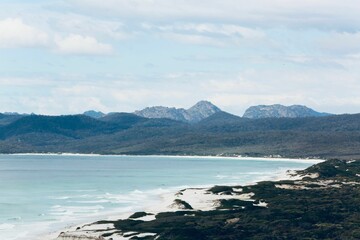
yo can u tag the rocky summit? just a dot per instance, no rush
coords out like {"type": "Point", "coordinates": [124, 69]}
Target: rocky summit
{"type": "Point", "coordinates": [281, 111]}
{"type": "Point", "coordinates": [196, 113]}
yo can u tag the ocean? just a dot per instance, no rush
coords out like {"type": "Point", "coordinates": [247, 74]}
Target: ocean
{"type": "Point", "coordinates": [44, 193]}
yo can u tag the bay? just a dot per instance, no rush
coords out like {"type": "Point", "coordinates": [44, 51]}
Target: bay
{"type": "Point", "coordinates": [43, 193]}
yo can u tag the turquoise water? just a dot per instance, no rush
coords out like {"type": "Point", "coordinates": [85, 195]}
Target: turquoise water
{"type": "Point", "coordinates": [40, 193]}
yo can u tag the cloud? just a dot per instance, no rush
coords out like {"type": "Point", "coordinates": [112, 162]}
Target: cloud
{"type": "Point", "coordinates": [218, 35]}
{"type": "Point", "coordinates": [341, 43]}
{"type": "Point", "coordinates": [15, 33]}
{"type": "Point", "coordinates": [89, 25]}
{"type": "Point", "coordinates": [229, 30]}
{"type": "Point", "coordinates": [82, 45]}
{"type": "Point", "coordinates": [324, 14]}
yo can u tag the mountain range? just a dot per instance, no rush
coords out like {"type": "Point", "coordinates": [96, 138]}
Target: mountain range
{"type": "Point", "coordinates": [205, 109]}
{"type": "Point", "coordinates": [196, 113]}
{"type": "Point", "coordinates": [220, 133]}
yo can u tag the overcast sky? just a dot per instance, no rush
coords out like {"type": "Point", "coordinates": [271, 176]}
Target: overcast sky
{"type": "Point", "coordinates": [68, 56]}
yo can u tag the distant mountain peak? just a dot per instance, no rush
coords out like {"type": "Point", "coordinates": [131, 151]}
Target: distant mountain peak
{"type": "Point", "coordinates": [205, 106]}
{"type": "Point", "coordinates": [281, 111]}
{"type": "Point", "coordinates": [202, 110]}
{"type": "Point", "coordinates": [196, 113]}
{"type": "Point", "coordinates": [94, 114]}
{"type": "Point", "coordinates": [204, 103]}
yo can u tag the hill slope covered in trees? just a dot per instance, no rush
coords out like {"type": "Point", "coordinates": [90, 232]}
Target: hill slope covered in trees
{"type": "Point", "coordinates": [219, 134]}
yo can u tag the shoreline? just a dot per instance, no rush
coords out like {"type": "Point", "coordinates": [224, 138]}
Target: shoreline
{"type": "Point", "coordinates": [265, 158]}
{"type": "Point", "coordinates": [196, 195]}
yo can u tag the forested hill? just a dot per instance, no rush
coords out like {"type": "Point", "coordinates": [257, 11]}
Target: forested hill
{"type": "Point", "coordinates": [218, 134]}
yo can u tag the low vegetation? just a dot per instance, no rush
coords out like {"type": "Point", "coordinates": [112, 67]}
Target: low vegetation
{"type": "Point", "coordinates": [321, 206]}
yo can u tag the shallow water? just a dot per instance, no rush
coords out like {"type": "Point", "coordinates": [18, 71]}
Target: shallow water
{"type": "Point", "coordinates": [41, 193]}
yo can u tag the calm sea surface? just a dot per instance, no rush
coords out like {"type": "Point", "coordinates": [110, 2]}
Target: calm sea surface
{"type": "Point", "coordinates": [42, 193]}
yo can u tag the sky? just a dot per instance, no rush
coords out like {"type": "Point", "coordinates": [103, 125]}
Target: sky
{"type": "Point", "coordinates": [69, 56]}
